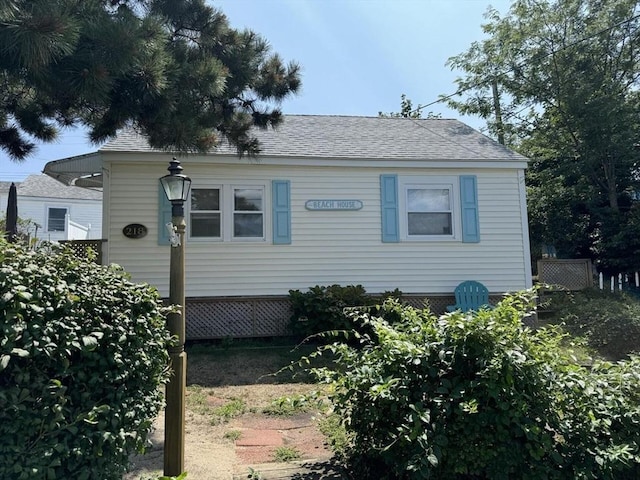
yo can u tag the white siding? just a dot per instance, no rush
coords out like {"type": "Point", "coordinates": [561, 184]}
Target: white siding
{"type": "Point", "coordinates": [342, 247]}
{"type": "Point", "coordinates": [84, 212]}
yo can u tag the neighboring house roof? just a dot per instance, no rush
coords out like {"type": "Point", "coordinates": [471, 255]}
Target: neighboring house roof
{"type": "Point", "coordinates": [4, 186]}
{"type": "Point", "coordinates": [357, 137]}
{"type": "Point", "coordinates": [45, 186]}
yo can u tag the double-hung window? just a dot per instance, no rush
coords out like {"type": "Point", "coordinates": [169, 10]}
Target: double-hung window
{"type": "Point", "coordinates": [56, 219]}
{"type": "Point", "coordinates": [248, 212]}
{"type": "Point", "coordinates": [429, 211]}
{"type": "Point", "coordinates": [206, 214]}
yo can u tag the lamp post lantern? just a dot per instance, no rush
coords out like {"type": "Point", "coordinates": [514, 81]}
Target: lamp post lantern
{"type": "Point", "coordinates": [176, 187]}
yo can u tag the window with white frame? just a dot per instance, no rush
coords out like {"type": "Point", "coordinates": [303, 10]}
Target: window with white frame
{"type": "Point", "coordinates": [228, 213]}
{"type": "Point", "coordinates": [429, 209]}
{"type": "Point", "coordinates": [206, 215]}
{"type": "Point", "coordinates": [248, 212]}
{"type": "Point", "coordinates": [56, 218]}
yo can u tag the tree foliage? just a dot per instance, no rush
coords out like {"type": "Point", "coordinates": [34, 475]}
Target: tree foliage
{"type": "Point", "coordinates": [83, 352]}
{"type": "Point", "coordinates": [173, 69]}
{"type": "Point", "coordinates": [407, 110]}
{"type": "Point", "coordinates": [27, 229]}
{"type": "Point", "coordinates": [565, 76]}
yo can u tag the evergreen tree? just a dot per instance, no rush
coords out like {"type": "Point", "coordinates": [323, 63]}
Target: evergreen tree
{"type": "Point", "coordinates": [172, 69]}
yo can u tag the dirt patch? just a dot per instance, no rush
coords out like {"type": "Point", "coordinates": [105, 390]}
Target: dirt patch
{"type": "Point", "coordinates": [227, 430]}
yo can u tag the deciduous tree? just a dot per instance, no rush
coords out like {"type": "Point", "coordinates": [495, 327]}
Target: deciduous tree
{"type": "Point", "coordinates": [407, 110]}
{"type": "Point", "coordinates": [565, 76]}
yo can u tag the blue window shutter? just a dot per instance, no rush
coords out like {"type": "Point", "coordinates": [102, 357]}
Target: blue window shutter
{"type": "Point", "coordinates": [469, 209]}
{"type": "Point", "coordinates": [164, 217]}
{"type": "Point", "coordinates": [281, 190]}
{"type": "Point", "coordinates": [389, 204]}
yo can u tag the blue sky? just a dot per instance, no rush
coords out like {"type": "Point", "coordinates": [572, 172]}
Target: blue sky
{"type": "Point", "coordinates": [357, 57]}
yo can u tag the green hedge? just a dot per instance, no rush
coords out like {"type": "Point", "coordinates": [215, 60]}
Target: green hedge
{"type": "Point", "coordinates": [479, 396]}
{"type": "Point", "coordinates": [82, 354]}
{"type": "Point", "coordinates": [325, 308]}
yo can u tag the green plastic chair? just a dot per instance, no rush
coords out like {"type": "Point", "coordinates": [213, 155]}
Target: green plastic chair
{"type": "Point", "coordinates": [470, 295]}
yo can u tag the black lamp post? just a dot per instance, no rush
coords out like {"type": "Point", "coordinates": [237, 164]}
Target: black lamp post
{"type": "Point", "coordinates": [176, 187]}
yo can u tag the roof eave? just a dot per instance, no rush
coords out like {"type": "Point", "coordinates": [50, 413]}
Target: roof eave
{"type": "Point", "coordinates": [81, 171]}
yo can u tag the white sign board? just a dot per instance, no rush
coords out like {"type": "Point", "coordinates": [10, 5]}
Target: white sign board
{"type": "Point", "coordinates": [333, 205]}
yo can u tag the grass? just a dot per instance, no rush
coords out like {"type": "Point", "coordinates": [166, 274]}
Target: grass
{"type": "Point", "coordinates": [197, 401]}
{"type": "Point", "coordinates": [241, 362]}
{"type": "Point", "coordinates": [287, 406]}
{"type": "Point", "coordinates": [286, 454]}
{"type": "Point", "coordinates": [233, 435]}
{"type": "Point", "coordinates": [233, 408]}
{"type": "Point", "coordinates": [331, 427]}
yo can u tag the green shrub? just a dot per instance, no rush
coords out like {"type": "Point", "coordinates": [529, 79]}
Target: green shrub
{"type": "Point", "coordinates": [479, 396]}
{"type": "Point", "coordinates": [610, 322]}
{"type": "Point", "coordinates": [322, 308]}
{"type": "Point", "coordinates": [82, 354]}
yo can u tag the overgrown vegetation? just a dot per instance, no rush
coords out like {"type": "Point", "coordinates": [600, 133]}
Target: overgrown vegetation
{"type": "Point", "coordinates": [333, 429]}
{"type": "Point", "coordinates": [322, 308]}
{"type": "Point", "coordinates": [182, 476]}
{"type": "Point", "coordinates": [231, 409]}
{"type": "Point", "coordinates": [233, 435]}
{"type": "Point", "coordinates": [286, 454]}
{"type": "Point", "coordinates": [610, 322]}
{"type": "Point", "coordinates": [288, 405]}
{"type": "Point", "coordinates": [198, 402]}
{"type": "Point", "coordinates": [82, 354]}
{"type": "Point", "coordinates": [479, 396]}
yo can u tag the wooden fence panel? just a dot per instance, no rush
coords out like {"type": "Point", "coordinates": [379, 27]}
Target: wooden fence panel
{"type": "Point", "coordinates": [82, 247]}
{"type": "Point", "coordinates": [572, 274]}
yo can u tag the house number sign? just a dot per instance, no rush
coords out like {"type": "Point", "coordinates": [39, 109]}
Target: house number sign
{"type": "Point", "coordinates": [333, 205]}
{"type": "Point", "coordinates": [134, 230]}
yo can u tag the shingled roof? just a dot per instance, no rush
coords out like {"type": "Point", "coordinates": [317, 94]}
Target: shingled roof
{"type": "Point", "coordinates": [324, 137]}
{"type": "Point", "coordinates": [47, 187]}
{"type": "Point", "coordinates": [351, 137]}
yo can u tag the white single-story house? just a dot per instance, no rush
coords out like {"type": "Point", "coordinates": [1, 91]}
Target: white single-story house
{"type": "Point", "coordinates": [415, 204]}
{"type": "Point", "coordinates": [56, 211]}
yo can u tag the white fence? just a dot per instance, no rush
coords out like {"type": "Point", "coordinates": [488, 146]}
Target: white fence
{"type": "Point", "coordinates": [619, 282]}
{"type": "Point", "coordinates": [76, 231]}
{"type": "Point", "coordinates": [578, 274]}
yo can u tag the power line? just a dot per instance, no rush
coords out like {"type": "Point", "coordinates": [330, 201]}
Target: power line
{"type": "Point", "coordinates": [511, 69]}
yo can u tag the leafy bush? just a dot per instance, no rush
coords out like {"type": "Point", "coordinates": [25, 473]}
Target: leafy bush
{"type": "Point", "coordinates": [82, 354]}
{"type": "Point", "coordinates": [609, 321]}
{"type": "Point", "coordinates": [322, 308]}
{"type": "Point", "coordinates": [479, 396]}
